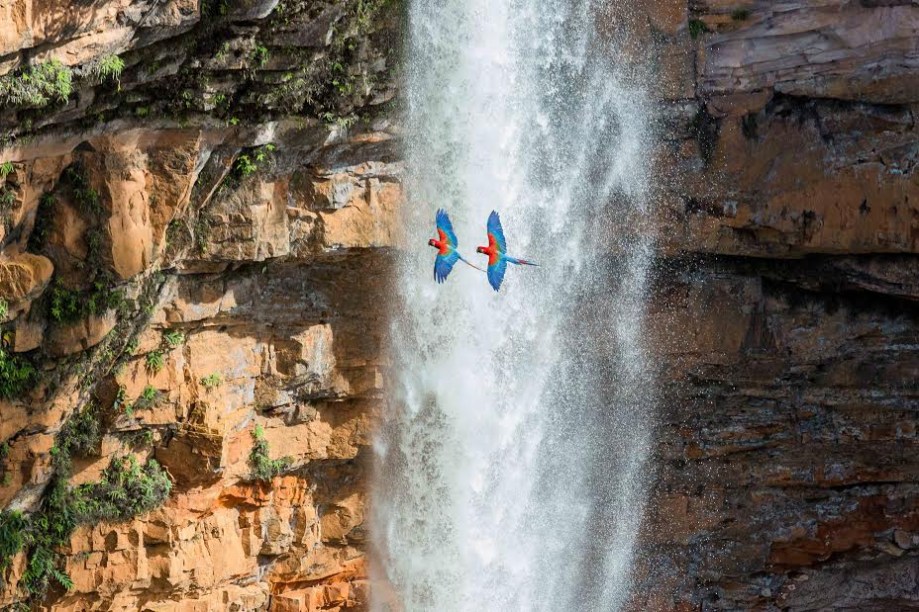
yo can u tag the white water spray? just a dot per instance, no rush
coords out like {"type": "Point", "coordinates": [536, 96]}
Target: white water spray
{"type": "Point", "coordinates": [511, 458]}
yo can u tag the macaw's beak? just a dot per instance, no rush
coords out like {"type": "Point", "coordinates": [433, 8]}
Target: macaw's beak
{"type": "Point", "coordinates": [480, 250]}
{"type": "Point", "coordinates": [431, 242]}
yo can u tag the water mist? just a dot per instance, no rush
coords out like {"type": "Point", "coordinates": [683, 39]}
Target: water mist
{"type": "Point", "coordinates": [512, 455]}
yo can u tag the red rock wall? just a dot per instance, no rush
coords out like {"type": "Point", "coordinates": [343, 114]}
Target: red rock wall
{"type": "Point", "coordinates": [244, 205]}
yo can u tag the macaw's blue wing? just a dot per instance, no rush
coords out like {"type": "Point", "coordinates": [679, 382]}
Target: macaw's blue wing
{"type": "Point", "coordinates": [495, 232]}
{"type": "Point", "coordinates": [444, 264]}
{"type": "Point", "coordinates": [444, 224]}
{"type": "Point", "coordinates": [496, 273]}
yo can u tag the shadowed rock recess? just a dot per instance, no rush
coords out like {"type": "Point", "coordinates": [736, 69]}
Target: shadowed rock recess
{"type": "Point", "coordinates": [198, 203]}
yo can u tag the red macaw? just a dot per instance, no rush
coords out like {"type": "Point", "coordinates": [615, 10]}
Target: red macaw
{"type": "Point", "coordinates": [446, 244]}
{"type": "Point", "coordinates": [497, 252]}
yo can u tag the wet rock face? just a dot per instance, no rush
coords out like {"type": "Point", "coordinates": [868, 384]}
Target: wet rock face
{"type": "Point", "coordinates": [785, 465]}
{"type": "Point", "coordinates": [784, 310]}
{"type": "Point", "coordinates": [860, 51]}
{"type": "Point", "coordinates": [800, 176]}
{"type": "Point", "coordinates": [786, 128]}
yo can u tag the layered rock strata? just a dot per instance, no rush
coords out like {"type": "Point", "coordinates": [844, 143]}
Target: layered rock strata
{"type": "Point", "coordinates": [785, 308]}
{"type": "Point", "coordinates": [197, 205]}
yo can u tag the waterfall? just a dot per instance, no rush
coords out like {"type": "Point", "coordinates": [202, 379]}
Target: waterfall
{"type": "Point", "coordinates": [512, 454]}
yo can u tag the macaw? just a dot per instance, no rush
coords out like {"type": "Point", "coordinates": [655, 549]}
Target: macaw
{"type": "Point", "coordinates": [497, 252]}
{"type": "Point", "coordinates": [446, 244]}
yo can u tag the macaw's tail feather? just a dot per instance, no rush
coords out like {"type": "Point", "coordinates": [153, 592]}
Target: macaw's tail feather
{"type": "Point", "coordinates": [522, 262]}
{"type": "Point", "coordinates": [471, 265]}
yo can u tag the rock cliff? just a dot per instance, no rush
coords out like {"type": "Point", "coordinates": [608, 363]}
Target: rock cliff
{"type": "Point", "coordinates": [198, 203]}
{"type": "Point", "coordinates": [785, 307]}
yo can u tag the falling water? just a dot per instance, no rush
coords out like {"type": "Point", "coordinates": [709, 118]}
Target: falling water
{"type": "Point", "coordinates": [512, 453]}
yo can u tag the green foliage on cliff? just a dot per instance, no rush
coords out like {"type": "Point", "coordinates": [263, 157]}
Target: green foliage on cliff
{"type": "Point", "coordinates": [260, 56]}
{"type": "Point", "coordinates": [212, 380]}
{"type": "Point", "coordinates": [256, 159]}
{"type": "Point", "coordinates": [122, 404]}
{"type": "Point", "coordinates": [155, 361]}
{"type": "Point", "coordinates": [17, 374]}
{"type": "Point", "coordinates": [149, 394]}
{"type": "Point", "coordinates": [174, 338]}
{"type": "Point", "coordinates": [244, 166]}
{"type": "Point", "coordinates": [12, 527]}
{"type": "Point", "coordinates": [7, 198]}
{"type": "Point", "coordinates": [37, 86]}
{"type": "Point", "coordinates": [740, 14]}
{"type": "Point", "coordinates": [87, 200]}
{"type": "Point", "coordinates": [263, 467]}
{"type": "Point", "coordinates": [148, 398]}
{"type": "Point", "coordinates": [4, 473]}
{"type": "Point", "coordinates": [99, 295]}
{"type": "Point", "coordinates": [697, 27]}
{"type": "Point", "coordinates": [67, 306]}
{"type": "Point", "coordinates": [84, 195]}
{"type": "Point", "coordinates": [331, 85]}
{"type": "Point", "coordinates": [126, 489]}
{"type": "Point", "coordinates": [106, 68]}
{"type": "Point", "coordinates": [7, 195]}
{"type": "Point", "coordinates": [81, 435]}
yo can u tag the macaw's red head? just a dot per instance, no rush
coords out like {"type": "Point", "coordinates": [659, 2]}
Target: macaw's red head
{"type": "Point", "coordinates": [482, 250]}
{"type": "Point", "coordinates": [432, 242]}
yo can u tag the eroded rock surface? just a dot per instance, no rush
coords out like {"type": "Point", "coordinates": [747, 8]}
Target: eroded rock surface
{"type": "Point", "coordinates": [194, 270]}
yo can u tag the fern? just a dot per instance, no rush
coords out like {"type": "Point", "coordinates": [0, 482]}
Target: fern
{"type": "Point", "coordinates": [17, 374]}
{"type": "Point", "coordinates": [37, 86]}
{"type": "Point", "coordinates": [697, 27]}
{"type": "Point", "coordinates": [212, 381]}
{"type": "Point", "coordinates": [110, 67]}
{"type": "Point", "coordinates": [155, 361]}
{"type": "Point", "coordinates": [263, 467]}
{"type": "Point", "coordinates": [174, 338]}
